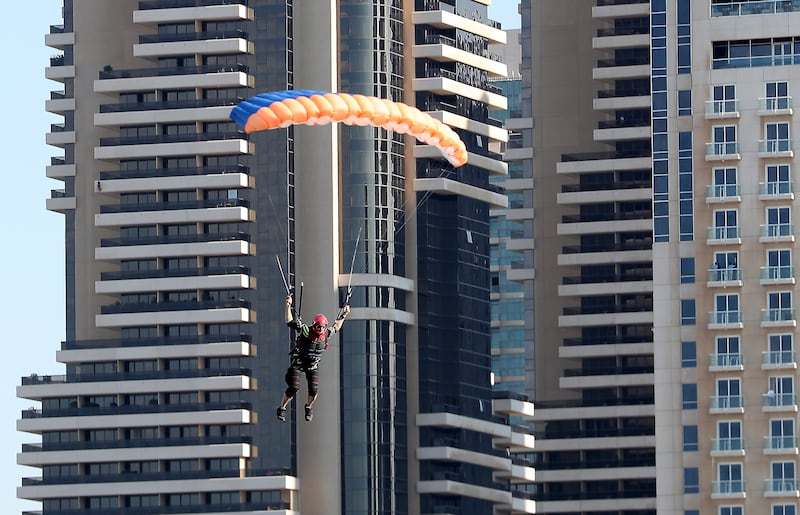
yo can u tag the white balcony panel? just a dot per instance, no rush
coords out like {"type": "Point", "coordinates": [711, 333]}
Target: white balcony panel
{"type": "Point", "coordinates": [597, 505]}
{"type": "Point", "coordinates": [517, 475]}
{"type": "Point", "coordinates": [202, 282]}
{"type": "Point", "coordinates": [388, 314]}
{"type": "Point", "coordinates": [59, 105]}
{"type": "Point", "coordinates": [519, 506]}
{"type": "Point", "coordinates": [59, 39]}
{"type": "Point", "coordinates": [163, 487]}
{"type": "Point", "coordinates": [604, 165]}
{"type": "Point", "coordinates": [521, 274]}
{"type": "Point", "coordinates": [518, 184]}
{"type": "Point", "coordinates": [178, 182]}
{"type": "Point", "coordinates": [582, 290]}
{"type": "Point", "coordinates": [449, 20]}
{"type": "Point", "coordinates": [622, 133]}
{"type": "Point", "coordinates": [211, 12]}
{"type": "Point", "coordinates": [172, 216]}
{"type": "Point", "coordinates": [636, 317]}
{"type": "Point", "coordinates": [155, 352]}
{"type": "Point", "coordinates": [451, 420]}
{"type": "Point", "coordinates": [592, 197]}
{"type": "Point", "coordinates": [621, 10]}
{"type": "Point", "coordinates": [518, 154]}
{"type": "Point", "coordinates": [60, 204]}
{"type": "Point", "coordinates": [216, 417]}
{"type": "Point", "coordinates": [447, 53]}
{"type": "Point", "coordinates": [60, 171]}
{"type": "Point", "coordinates": [585, 351]}
{"type": "Point", "coordinates": [447, 487]}
{"type": "Point", "coordinates": [515, 442]}
{"type": "Point", "coordinates": [380, 280]}
{"type": "Point", "coordinates": [605, 381]}
{"type": "Point", "coordinates": [461, 122]}
{"type": "Point", "coordinates": [444, 186]}
{"type": "Point", "coordinates": [201, 114]}
{"type": "Point", "coordinates": [519, 214]}
{"type": "Point", "coordinates": [445, 86]}
{"type": "Point", "coordinates": [207, 248]}
{"type": "Point", "coordinates": [445, 453]}
{"type": "Point", "coordinates": [59, 139]}
{"type": "Point", "coordinates": [642, 224]}
{"type": "Point", "coordinates": [513, 407]}
{"type": "Point", "coordinates": [621, 72]}
{"type": "Point", "coordinates": [626, 41]}
{"type": "Point", "coordinates": [59, 73]}
{"type": "Point", "coordinates": [205, 47]}
{"type": "Point", "coordinates": [520, 244]}
{"type": "Point", "coordinates": [493, 166]}
{"type": "Point", "coordinates": [55, 389]}
{"type": "Point", "coordinates": [614, 103]}
{"type": "Point", "coordinates": [197, 80]}
{"type": "Point", "coordinates": [232, 450]}
{"type": "Point", "coordinates": [194, 316]}
{"type": "Point", "coordinates": [576, 444]}
{"type": "Point", "coordinates": [576, 413]}
{"type": "Point", "coordinates": [594, 258]}
{"type": "Point", "coordinates": [594, 474]}
{"type": "Point", "coordinates": [208, 148]}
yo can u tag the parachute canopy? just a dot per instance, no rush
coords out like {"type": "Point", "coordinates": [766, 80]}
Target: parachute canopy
{"type": "Point", "coordinates": [284, 108]}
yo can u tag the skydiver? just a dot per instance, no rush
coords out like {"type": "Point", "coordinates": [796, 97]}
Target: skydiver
{"type": "Point", "coordinates": [311, 342]}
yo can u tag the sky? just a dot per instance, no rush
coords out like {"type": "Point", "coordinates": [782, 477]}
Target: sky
{"type": "Point", "coordinates": [34, 321]}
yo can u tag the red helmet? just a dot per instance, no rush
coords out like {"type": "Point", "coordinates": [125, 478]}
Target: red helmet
{"type": "Point", "coordinates": [319, 320]}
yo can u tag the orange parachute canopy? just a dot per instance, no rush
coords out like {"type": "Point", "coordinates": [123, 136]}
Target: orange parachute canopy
{"type": "Point", "coordinates": [284, 108]}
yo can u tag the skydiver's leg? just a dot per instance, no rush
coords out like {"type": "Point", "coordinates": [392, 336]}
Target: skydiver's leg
{"type": "Point", "coordinates": [292, 385]}
{"type": "Point", "coordinates": [312, 378]}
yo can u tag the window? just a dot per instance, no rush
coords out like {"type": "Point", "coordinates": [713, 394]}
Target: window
{"type": "Point", "coordinates": [730, 478]}
{"type": "Point", "coordinates": [781, 349]}
{"type": "Point", "coordinates": [724, 99]}
{"type": "Point", "coordinates": [779, 306]}
{"type": "Point", "coordinates": [688, 354]}
{"type": "Point", "coordinates": [777, 180]}
{"type": "Point", "coordinates": [691, 480]}
{"type": "Point", "coordinates": [728, 352]}
{"type": "Point", "coordinates": [784, 509]}
{"type": "Point", "coordinates": [726, 266]}
{"type": "Point", "coordinates": [777, 137]}
{"type": "Point", "coordinates": [779, 264]}
{"type": "Point", "coordinates": [729, 435]}
{"type": "Point", "coordinates": [688, 312]}
{"type": "Point", "coordinates": [726, 225]}
{"type": "Point", "coordinates": [783, 477]}
{"type": "Point", "coordinates": [726, 309]}
{"type": "Point", "coordinates": [781, 434]}
{"type": "Point", "coordinates": [689, 394]}
{"type": "Point", "coordinates": [725, 182]}
{"type": "Point", "coordinates": [776, 96]}
{"type": "Point", "coordinates": [687, 270]}
{"type": "Point", "coordinates": [729, 393]}
{"type": "Point", "coordinates": [685, 102]}
{"type": "Point", "coordinates": [781, 391]}
{"type": "Point", "coordinates": [779, 222]}
{"type": "Point", "coordinates": [689, 438]}
{"type": "Point", "coordinates": [724, 140]}
{"type": "Point", "coordinates": [731, 510]}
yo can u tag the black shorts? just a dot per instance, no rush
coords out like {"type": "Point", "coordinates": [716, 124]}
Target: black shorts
{"type": "Point", "coordinates": [293, 379]}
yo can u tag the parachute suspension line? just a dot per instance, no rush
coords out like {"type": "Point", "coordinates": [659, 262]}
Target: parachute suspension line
{"type": "Point", "coordinates": [300, 302]}
{"type": "Point", "coordinates": [350, 276]}
{"type": "Point", "coordinates": [289, 290]}
{"type": "Point", "coordinates": [425, 196]}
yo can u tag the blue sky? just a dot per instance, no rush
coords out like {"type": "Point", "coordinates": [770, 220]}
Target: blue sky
{"type": "Point", "coordinates": [32, 265]}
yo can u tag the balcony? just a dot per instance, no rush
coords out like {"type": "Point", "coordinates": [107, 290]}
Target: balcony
{"type": "Point", "coordinates": [720, 193]}
{"type": "Point", "coordinates": [726, 362]}
{"type": "Point", "coordinates": [777, 275]}
{"type": "Point", "coordinates": [769, 233]}
{"type": "Point", "coordinates": [723, 151]}
{"type": "Point", "coordinates": [725, 320]}
{"type": "Point", "coordinates": [723, 236]}
{"type": "Point", "coordinates": [775, 148]}
{"type": "Point", "coordinates": [780, 445]}
{"type": "Point", "coordinates": [721, 109]}
{"type": "Point", "coordinates": [775, 106]}
{"type": "Point", "coordinates": [778, 359]}
{"type": "Point", "coordinates": [781, 487]}
{"type": "Point", "coordinates": [776, 190]}
{"type": "Point", "coordinates": [727, 447]}
{"type": "Point", "coordinates": [749, 7]}
{"type": "Point", "coordinates": [778, 317]}
{"type": "Point", "coordinates": [726, 404]}
{"type": "Point", "coordinates": [779, 402]}
{"type": "Point", "coordinates": [728, 489]}
{"type": "Point", "coordinates": [723, 277]}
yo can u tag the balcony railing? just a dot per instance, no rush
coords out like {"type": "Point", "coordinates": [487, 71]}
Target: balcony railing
{"type": "Point", "coordinates": [776, 443]}
{"type": "Point", "coordinates": [774, 146]}
{"type": "Point", "coordinates": [775, 104]}
{"type": "Point", "coordinates": [777, 315]}
{"type": "Point", "coordinates": [724, 317]}
{"type": "Point", "coordinates": [775, 188]}
{"type": "Point", "coordinates": [721, 192]}
{"type": "Point", "coordinates": [719, 149]}
{"type": "Point", "coordinates": [728, 487]}
{"type": "Point", "coordinates": [726, 360]}
{"type": "Point", "coordinates": [779, 400]}
{"type": "Point", "coordinates": [776, 230]}
{"type": "Point", "coordinates": [723, 233]}
{"type": "Point", "coordinates": [172, 4]}
{"type": "Point", "coordinates": [778, 357]}
{"type": "Point", "coordinates": [724, 275]}
{"type": "Point", "coordinates": [727, 444]}
{"type": "Point", "coordinates": [727, 402]}
{"type": "Point", "coordinates": [722, 108]}
{"type": "Point", "coordinates": [780, 485]}
{"type": "Point", "coordinates": [743, 8]}
{"type": "Point", "coordinates": [777, 273]}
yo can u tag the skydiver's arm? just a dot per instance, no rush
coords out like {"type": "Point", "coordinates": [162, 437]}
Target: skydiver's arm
{"type": "Point", "coordinates": [289, 315]}
{"type": "Point", "coordinates": [337, 326]}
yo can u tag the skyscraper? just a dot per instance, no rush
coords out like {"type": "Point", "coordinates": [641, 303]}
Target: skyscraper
{"type": "Point", "coordinates": [174, 219]}
{"type": "Point", "coordinates": [663, 160]}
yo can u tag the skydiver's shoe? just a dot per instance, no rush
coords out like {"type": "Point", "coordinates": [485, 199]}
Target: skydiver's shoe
{"type": "Point", "coordinates": [309, 413]}
{"type": "Point", "coordinates": [281, 414]}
